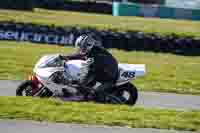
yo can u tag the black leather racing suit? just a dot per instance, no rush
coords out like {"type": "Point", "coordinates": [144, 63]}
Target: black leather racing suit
{"type": "Point", "coordinates": [102, 67]}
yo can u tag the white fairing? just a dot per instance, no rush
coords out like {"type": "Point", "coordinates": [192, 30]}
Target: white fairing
{"type": "Point", "coordinates": [50, 64]}
{"type": "Point", "coordinates": [136, 69]}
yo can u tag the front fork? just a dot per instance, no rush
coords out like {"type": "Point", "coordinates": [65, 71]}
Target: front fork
{"type": "Point", "coordinates": [37, 86]}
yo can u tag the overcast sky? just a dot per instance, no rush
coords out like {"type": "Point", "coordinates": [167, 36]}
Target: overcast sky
{"type": "Point", "coordinates": [184, 3]}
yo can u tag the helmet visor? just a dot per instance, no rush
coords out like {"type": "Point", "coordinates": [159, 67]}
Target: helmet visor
{"type": "Point", "coordinates": [86, 47]}
{"type": "Point", "coordinates": [83, 49]}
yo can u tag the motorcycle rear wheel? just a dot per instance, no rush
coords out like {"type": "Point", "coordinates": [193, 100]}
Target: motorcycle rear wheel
{"type": "Point", "coordinates": [112, 99]}
{"type": "Point", "coordinates": [127, 93]}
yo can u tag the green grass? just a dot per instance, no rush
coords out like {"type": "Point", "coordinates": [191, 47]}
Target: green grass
{"type": "Point", "coordinates": [165, 72]}
{"type": "Point", "coordinates": [89, 113]}
{"type": "Point", "coordinates": [64, 18]}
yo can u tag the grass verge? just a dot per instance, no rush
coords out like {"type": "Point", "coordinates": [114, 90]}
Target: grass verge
{"type": "Point", "coordinates": [165, 72]}
{"type": "Point", "coordinates": [88, 113]}
{"type": "Point", "coordinates": [65, 18]}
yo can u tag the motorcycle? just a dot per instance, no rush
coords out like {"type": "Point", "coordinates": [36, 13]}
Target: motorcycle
{"type": "Point", "coordinates": [52, 77]}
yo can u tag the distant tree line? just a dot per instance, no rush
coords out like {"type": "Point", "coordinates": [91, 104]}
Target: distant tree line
{"type": "Point", "coordinates": [64, 4]}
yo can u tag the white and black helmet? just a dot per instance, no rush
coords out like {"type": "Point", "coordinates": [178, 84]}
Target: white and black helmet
{"type": "Point", "coordinates": [86, 42]}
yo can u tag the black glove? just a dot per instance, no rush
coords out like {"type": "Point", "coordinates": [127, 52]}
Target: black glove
{"type": "Point", "coordinates": [74, 82]}
{"type": "Point", "coordinates": [63, 57]}
{"type": "Point", "coordinates": [60, 57]}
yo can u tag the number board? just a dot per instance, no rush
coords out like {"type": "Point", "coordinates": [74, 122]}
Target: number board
{"type": "Point", "coordinates": [128, 74]}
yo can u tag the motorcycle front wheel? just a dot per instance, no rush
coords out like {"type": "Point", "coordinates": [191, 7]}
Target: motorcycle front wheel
{"type": "Point", "coordinates": [25, 88]}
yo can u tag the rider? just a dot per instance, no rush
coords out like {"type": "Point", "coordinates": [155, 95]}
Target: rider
{"type": "Point", "coordinates": [101, 65]}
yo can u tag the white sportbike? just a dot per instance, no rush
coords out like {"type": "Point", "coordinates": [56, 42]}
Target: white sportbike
{"type": "Point", "coordinates": [51, 76]}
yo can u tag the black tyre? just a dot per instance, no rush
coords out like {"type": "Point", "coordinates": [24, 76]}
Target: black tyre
{"type": "Point", "coordinates": [112, 99]}
{"type": "Point", "coordinates": [25, 88]}
{"type": "Point", "coordinates": [127, 93]}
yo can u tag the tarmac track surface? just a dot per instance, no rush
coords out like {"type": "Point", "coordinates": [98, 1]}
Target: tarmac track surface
{"type": "Point", "coordinates": [146, 99]}
{"type": "Point", "coordinates": [18, 126]}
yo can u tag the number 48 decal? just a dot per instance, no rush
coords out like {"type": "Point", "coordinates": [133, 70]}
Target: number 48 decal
{"type": "Point", "coordinates": [128, 74]}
